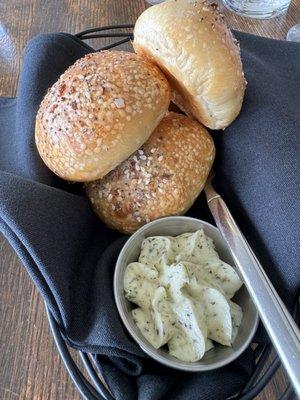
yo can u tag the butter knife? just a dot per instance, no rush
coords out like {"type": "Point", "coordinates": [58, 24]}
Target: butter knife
{"type": "Point", "coordinates": [282, 329]}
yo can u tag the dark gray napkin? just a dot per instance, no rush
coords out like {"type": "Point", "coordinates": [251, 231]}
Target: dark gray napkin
{"type": "Point", "coordinates": [70, 255]}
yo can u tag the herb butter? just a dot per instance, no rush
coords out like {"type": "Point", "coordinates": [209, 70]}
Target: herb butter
{"type": "Point", "coordinates": [183, 291]}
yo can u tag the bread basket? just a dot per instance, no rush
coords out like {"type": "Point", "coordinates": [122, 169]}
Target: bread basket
{"type": "Point", "coordinates": [95, 387]}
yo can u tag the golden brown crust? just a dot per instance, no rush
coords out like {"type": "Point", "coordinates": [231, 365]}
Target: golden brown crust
{"type": "Point", "coordinates": [190, 42]}
{"type": "Point", "coordinates": [162, 178]}
{"type": "Point", "coordinates": [101, 110]}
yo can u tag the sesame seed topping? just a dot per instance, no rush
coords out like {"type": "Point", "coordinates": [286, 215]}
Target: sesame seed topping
{"type": "Point", "coordinates": [119, 102]}
{"type": "Point", "coordinates": [161, 177]}
{"type": "Point", "coordinates": [87, 103]}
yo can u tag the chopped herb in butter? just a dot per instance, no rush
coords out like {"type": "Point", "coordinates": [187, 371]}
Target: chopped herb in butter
{"type": "Point", "coordinates": [183, 291]}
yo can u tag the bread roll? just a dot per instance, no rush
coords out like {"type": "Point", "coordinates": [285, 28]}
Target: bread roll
{"type": "Point", "coordinates": [101, 110]}
{"type": "Point", "coordinates": [192, 45]}
{"type": "Point", "coordinates": [162, 178]}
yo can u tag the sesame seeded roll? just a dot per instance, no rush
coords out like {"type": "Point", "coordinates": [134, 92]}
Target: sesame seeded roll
{"type": "Point", "coordinates": [190, 42]}
{"type": "Point", "coordinates": [101, 110]}
{"type": "Point", "coordinates": [162, 178]}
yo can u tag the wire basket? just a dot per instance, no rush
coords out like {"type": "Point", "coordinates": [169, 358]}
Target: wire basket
{"type": "Point", "coordinates": [96, 388]}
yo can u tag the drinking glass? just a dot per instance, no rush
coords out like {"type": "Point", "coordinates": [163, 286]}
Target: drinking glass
{"type": "Point", "coordinates": [154, 1]}
{"type": "Point", "coordinates": [258, 8]}
{"type": "Point", "coordinates": [293, 34]}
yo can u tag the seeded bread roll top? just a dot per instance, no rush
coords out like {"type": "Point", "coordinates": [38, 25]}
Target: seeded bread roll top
{"type": "Point", "coordinates": [162, 178]}
{"type": "Point", "coordinates": [101, 110]}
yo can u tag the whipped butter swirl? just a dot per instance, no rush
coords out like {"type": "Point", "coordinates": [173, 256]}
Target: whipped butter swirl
{"type": "Point", "coordinates": [183, 291]}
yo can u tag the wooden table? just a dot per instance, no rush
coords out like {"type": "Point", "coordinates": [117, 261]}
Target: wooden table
{"type": "Point", "coordinates": [30, 367]}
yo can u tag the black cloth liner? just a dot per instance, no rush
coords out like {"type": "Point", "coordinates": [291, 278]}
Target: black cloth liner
{"type": "Point", "coordinates": [70, 255]}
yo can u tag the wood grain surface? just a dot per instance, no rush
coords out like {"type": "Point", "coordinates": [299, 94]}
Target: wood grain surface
{"type": "Point", "coordinates": [30, 367]}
